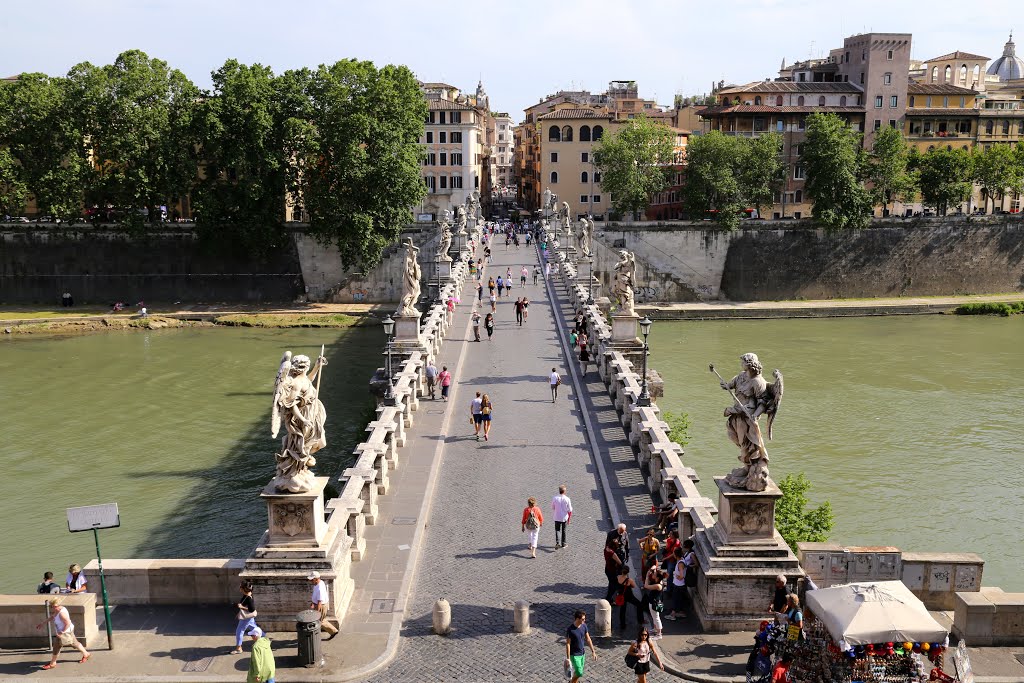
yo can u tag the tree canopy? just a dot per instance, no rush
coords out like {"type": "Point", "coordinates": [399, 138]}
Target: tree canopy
{"type": "Point", "coordinates": [887, 168]}
{"type": "Point", "coordinates": [635, 163]}
{"type": "Point", "coordinates": [944, 178]}
{"type": "Point", "coordinates": [831, 160]}
{"type": "Point", "coordinates": [794, 521]}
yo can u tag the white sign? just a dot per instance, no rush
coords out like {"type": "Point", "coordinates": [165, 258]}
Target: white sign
{"type": "Point", "coordinates": [424, 217]}
{"type": "Point", "coordinates": [93, 517]}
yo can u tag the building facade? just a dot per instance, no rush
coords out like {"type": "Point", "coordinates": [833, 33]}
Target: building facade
{"type": "Point", "coordinates": [878, 63]}
{"type": "Point", "coordinates": [567, 137]}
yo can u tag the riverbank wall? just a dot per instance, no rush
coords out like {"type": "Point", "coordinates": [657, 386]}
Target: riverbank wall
{"type": "Point", "coordinates": [763, 261]}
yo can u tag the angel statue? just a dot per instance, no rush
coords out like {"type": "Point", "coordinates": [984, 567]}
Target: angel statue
{"type": "Point", "coordinates": [584, 234]}
{"type": "Point", "coordinates": [297, 405]}
{"type": "Point", "coordinates": [546, 201]}
{"type": "Point", "coordinates": [625, 279]}
{"type": "Point", "coordinates": [753, 397]}
{"type": "Point", "coordinates": [444, 241]}
{"type": "Point", "coordinates": [460, 219]}
{"type": "Point", "coordinates": [410, 280]}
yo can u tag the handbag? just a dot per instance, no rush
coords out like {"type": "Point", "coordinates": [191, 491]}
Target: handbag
{"type": "Point", "coordinates": [243, 614]}
{"type": "Point", "coordinates": [690, 578]}
{"type": "Point", "coordinates": [631, 660]}
{"type": "Point", "coordinates": [67, 637]}
{"type": "Point", "coordinates": [620, 597]}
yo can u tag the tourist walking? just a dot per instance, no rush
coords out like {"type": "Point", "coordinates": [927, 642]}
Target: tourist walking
{"type": "Point", "coordinates": [533, 520]}
{"type": "Point", "coordinates": [486, 408]}
{"type": "Point", "coordinates": [536, 274]}
{"type": "Point", "coordinates": [480, 292]}
{"type": "Point", "coordinates": [489, 325]}
{"type": "Point", "coordinates": [555, 381]}
{"type": "Point", "coordinates": [64, 632]}
{"type": "Point", "coordinates": [476, 325]}
{"type": "Point", "coordinates": [573, 338]}
{"type": "Point", "coordinates": [522, 277]}
{"type": "Point", "coordinates": [319, 602]}
{"type": "Point", "coordinates": [578, 320]}
{"type": "Point", "coordinates": [612, 563]}
{"type": "Point", "coordinates": [246, 616]}
{"type": "Point", "coordinates": [642, 650]}
{"type": "Point", "coordinates": [561, 508]}
{"type": "Point", "coordinates": [494, 302]}
{"type": "Point", "coordinates": [431, 374]}
{"type": "Point", "coordinates": [261, 662]}
{"type": "Point", "coordinates": [526, 308]}
{"type": "Point", "coordinates": [653, 591]}
{"type": "Point", "coordinates": [575, 637]}
{"type": "Point", "coordinates": [476, 417]}
{"type": "Point", "coordinates": [584, 358]}
{"type": "Point", "coordinates": [547, 270]}
{"type": "Point", "coordinates": [491, 285]}
{"type": "Point", "coordinates": [625, 596]}
{"type": "Point", "coordinates": [445, 378]}
{"type": "Point", "coordinates": [500, 284]}
{"type": "Point", "coordinates": [519, 311]}
{"type": "Point", "coordinates": [781, 596]}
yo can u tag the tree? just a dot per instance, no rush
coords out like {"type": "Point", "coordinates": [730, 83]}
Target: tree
{"type": "Point", "coordinates": [711, 181]}
{"type": "Point", "coordinates": [794, 522]}
{"type": "Point", "coordinates": [887, 168]}
{"type": "Point", "coordinates": [635, 163]}
{"type": "Point", "coordinates": [762, 171]}
{"type": "Point", "coordinates": [996, 170]}
{"type": "Point", "coordinates": [944, 177]}
{"type": "Point", "coordinates": [358, 154]}
{"type": "Point", "coordinates": [831, 162]}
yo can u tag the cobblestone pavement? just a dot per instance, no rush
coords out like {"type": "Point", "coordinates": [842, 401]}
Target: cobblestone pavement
{"type": "Point", "coordinates": [474, 553]}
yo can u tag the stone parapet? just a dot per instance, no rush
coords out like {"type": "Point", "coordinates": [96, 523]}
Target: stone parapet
{"type": "Point", "coordinates": [169, 582]}
{"type": "Point", "coordinates": [19, 615]}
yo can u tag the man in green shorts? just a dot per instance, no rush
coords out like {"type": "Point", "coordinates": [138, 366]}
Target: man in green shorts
{"type": "Point", "coordinates": [575, 637]}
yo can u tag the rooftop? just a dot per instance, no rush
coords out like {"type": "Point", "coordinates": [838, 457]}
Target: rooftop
{"type": "Point", "coordinates": [572, 113]}
{"type": "Point", "coordinates": [791, 86]}
{"type": "Point", "coordinates": [768, 109]}
{"type": "Point", "coordinates": [938, 89]}
{"type": "Point", "coordinates": [448, 104]}
{"type": "Point", "coordinates": [957, 56]}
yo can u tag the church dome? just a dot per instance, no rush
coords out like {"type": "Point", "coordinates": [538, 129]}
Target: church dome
{"type": "Point", "coordinates": [1009, 66]}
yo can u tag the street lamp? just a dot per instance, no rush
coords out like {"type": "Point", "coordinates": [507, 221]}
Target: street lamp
{"type": "Point", "coordinates": [644, 400]}
{"type": "Point", "coordinates": [437, 273]}
{"type": "Point", "coordinates": [590, 281]}
{"type": "Point", "coordinates": [389, 330]}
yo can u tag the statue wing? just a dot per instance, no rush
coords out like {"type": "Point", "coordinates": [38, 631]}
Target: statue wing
{"type": "Point", "coordinates": [774, 400]}
{"type": "Point", "coordinates": [279, 382]}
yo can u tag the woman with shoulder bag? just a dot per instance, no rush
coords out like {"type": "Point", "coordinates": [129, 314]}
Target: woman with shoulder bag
{"type": "Point", "coordinates": [653, 598]}
{"type": "Point", "coordinates": [246, 616]}
{"type": "Point", "coordinates": [639, 656]}
{"type": "Point", "coordinates": [624, 596]}
{"type": "Point", "coordinates": [64, 631]}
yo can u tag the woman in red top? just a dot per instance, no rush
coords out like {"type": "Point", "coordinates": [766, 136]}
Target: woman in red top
{"type": "Point", "coordinates": [671, 543]}
{"type": "Point", "coordinates": [532, 521]}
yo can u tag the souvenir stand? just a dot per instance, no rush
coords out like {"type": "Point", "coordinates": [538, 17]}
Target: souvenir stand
{"type": "Point", "coordinates": [877, 632]}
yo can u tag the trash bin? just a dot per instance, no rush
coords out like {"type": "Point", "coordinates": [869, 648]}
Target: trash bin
{"type": "Point", "coordinates": [307, 625]}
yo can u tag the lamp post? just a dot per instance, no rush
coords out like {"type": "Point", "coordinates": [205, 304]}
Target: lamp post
{"type": "Point", "coordinates": [644, 400]}
{"type": "Point", "coordinates": [590, 281]}
{"type": "Point", "coordinates": [389, 330]}
{"type": "Point", "coordinates": [437, 273]}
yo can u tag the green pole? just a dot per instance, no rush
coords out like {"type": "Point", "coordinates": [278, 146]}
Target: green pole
{"type": "Point", "coordinates": [103, 585]}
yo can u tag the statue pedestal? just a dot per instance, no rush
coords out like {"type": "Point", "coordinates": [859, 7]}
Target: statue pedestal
{"type": "Point", "coordinates": [739, 556]}
{"type": "Point", "coordinates": [297, 542]}
{"type": "Point", "coordinates": [444, 271]}
{"type": "Point", "coordinates": [407, 328]}
{"type": "Point", "coordinates": [624, 328]}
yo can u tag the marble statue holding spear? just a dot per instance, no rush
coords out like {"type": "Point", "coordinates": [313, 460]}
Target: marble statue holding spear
{"type": "Point", "coordinates": [298, 407]}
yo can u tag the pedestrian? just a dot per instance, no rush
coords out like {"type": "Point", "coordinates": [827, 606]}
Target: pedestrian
{"type": "Point", "coordinates": [64, 631]}
{"type": "Point", "coordinates": [547, 270]}
{"type": "Point", "coordinates": [476, 325]}
{"type": "Point", "coordinates": [561, 507]}
{"type": "Point", "coordinates": [487, 254]}
{"type": "Point", "coordinates": [654, 587]}
{"type": "Point", "coordinates": [491, 285]}
{"type": "Point", "coordinates": [619, 532]}
{"type": "Point", "coordinates": [431, 374]}
{"type": "Point", "coordinates": [683, 574]}
{"type": "Point", "coordinates": [445, 378]}
{"type": "Point", "coordinates": [781, 596]}
{"type": "Point", "coordinates": [261, 661]}
{"type": "Point", "coordinates": [642, 650]}
{"type": "Point", "coordinates": [476, 417]}
{"type": "Point", "coordinates": [508, 278]}
{"type": "Point", "coordinates": [625, 596]}
{"type": "Point", "coordinates": [612, 563]}
{"type": "Point", "coordinates": [486, 408]}
{"type": "Point", "coordinates": [793, 617]}
{"type": "Point", "coordinates": [489, 324]}
{"type": "Point", "coordinates": [575, 637]}
{"type": "Point", "coordinates": [582, 340]}
{"type": "Point", "coordinates": [671, 543]}
{"type": "Point", "coordinates": [522, 277]}
{"type": "Point", "coordinates": [526, 308]}
{"type": "Point", "coordinates": [519, 311]}
{"type": "Point", "coordinates": [579, 321]}
{"type": "Point", "coordinates": [48, 586]}
{"type": "Point", "coordinates": [536, 274]}
{"type": "Point", "coordinates": [585, 358]}
{"type": "Point", "coordinates": [479, 291]}
{"type": "Point", "coordinates": [501, 284]}
{"type": "Point", "coordinates": [649, 547]}
{"type": "Point", "coordinates": [573, 337]}
{"type": "Point", "coordinates": [246, 616]}
{"type": "Point", "coordinates": [555, 380]}
{"type": "Point", "coordinates": [75, 581]}
{"type": "Point", "coordinates": [532, 521]}
{"type": "Point", "coordinates": [494, 302]}
{"type": "Point", "coordinates": [320, 600]}
{"type": "Point", "coordinates": [451, 308]}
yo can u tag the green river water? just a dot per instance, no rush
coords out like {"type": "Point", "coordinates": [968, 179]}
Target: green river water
{"type": "Point", "coordinates": [911, 426]}
{"type": "Point", "coordinates": [172, 425]}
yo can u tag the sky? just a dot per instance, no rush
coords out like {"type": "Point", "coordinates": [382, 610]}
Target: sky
{"type": "Point", "coordinates": [523, 50]}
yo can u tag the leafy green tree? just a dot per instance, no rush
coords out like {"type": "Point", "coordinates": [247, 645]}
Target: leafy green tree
{"type": "Point", "coordinates": [358, 155]}
{"type": "Point", "coordinates": [678, 426]}
{"type": "Point", "coordinates": [762, 171]}
{"type": "Point", "coordinates": [945, 178]}
{"type": "Point", "coordinates": [794, 521]}
{"type": "Point", "coordinates": [887, 168]}
{"type": "Point", "coordinates": [13, 190]}
{"type": "Point", "coordinates": [832, 164]}
{"type": "Point", "coordinates": [137, 116]}
{"type": "Point", "coordinates": [635, 163]}
{"type": "Point", "coordinates": [996, 170]}
{"type": "Point", "coordinates": [711, 181]}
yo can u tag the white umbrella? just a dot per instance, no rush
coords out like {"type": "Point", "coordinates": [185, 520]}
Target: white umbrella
{"type": "Point", "coordinates": [874, 612]}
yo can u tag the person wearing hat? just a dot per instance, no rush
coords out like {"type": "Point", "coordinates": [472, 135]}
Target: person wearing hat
{"type": "Point", "coordinates": [64, 630]}
{"type": "Point", "coordinates": [261, 663]}
{"type": "Point", "coordinates": [319, 602]}
{"type": "Point", "coordinates": [75, 581]}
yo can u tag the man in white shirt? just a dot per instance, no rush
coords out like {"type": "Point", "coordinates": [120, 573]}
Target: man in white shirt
{"type": "Point", "coordinates": [554, 379]}
{"type": "Point", "coordinates": [319, 602]}
{"type": "Point", "coordinates": [431, 373]}
{"type": "Point", "coordinates": [476, 408]}
{"type": "Point", "coordinates": [562, 507]}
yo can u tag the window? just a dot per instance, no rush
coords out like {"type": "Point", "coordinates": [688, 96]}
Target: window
{"type": "Point", "coordinates": [892, 123]}
{"type": "Point", "coordinates": [759, 124]}
{"type": "Point", "coordinates": [442, 137]}
{"type": "Point", "coordinates": [862, 78]}
{"type": "Point", "coordinates": [598, 132]}
{"type": "Point", "coordinates": [778, 101]}
{"type": "Point", "coordinates": [800, 101]}
{"type": "Point", "coordinates": [948, 75]}
{"type": "Point", "coordinates": [456, 158]}
{"type": "Point", "coordinates": [847, 56]}
{"type": "Point", "coordinates": [597, 178]}
{"type": "Point", "coordinates": [584, 199]}
{"type": "Point", "coordinates": [430, 117]}
{"type": "Point", "coordinates": [455, 117]}
{"type": "Point", "coordinates": [597, 199]}
{"type": "Point", "coordinates": [801, 123]}
{"type": "Point", "coordinates": [584, 177]}
{"type": "Point", "coordinates": [842, 101]}
{"type": "Point", "coordinates": [567, 134]}
{"type": "Point", "coordinates": [894, 101]}
{"type": "Point", "coordinates": [444, 182]}
{"type": "Point", "coordinates": [585, 157]}
{"type": "Point", "coordinates": [444, 158]}
{"type": "Point", "coordinates": [977, 72]}
{"type": "Point", "coordinates": [456, 136]}
{"type": "Point", "coordinates": [887, 79]}
{"type": "Point", "coordinates": [1006, 127]}
{"type": "Point", "coordinates": [863, 55]}
{"type": "Point", "coordinates": [476, 182]}
{"type": "Point", "coordinates": [821, 101]}
{"type": "Point", "coordinates": [431, 159]}
{"type": "Point", "coordinates": [888, 55]}
{"type": "Point", "coordinates": [945, 102]}
{"type": "Point", "coordinates": [554, 176]}
{"type": "Point", "coordinates": [878, 101]}
{"type": "Point", "coordinates": [430, 137]}
{"type": "Point", "coordinates": [554, 134]}
{"type": "Point", "coordinates": [878, 124]}
{"type": "Point", "coordinates": [798, 172]}
{"type": "Point", "coordinates": [963, 74]}
{"type": "Point", "coordinates": [431, 183]}
{"type": "Point", "coordinates": [440, 117]}
{"type": "Point", "coordinates": [928, 101]}
{"type": "Point", "coordinates": [779, 127]}
{"type": "Point", "coordinates": [988, 127]}
{"type": "Point", "coordinates": [554, 157]}
{"type": "Point", "coordinates": [584, 134]}
{"type": "Point", "coordinates": [798, 196]}
{"type": "Point", "coordinates": [799, 149]}
{"type": "Point", "coordinates": [456, 182]}
{"type": "Point", "coordinates": [911, 101]}
{"type": "Point", "coordinates": [757, 100]}
{"type": "Point", "coordinates": [935, 74]}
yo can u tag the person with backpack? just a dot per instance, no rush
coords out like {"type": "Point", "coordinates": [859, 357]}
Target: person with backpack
{"type": "Point", "coordinates": [533, 520]}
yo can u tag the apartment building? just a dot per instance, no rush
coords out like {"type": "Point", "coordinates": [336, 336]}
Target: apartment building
{"type": "Point", "coordinates": [878, 63]}
{"type": "Point", "coordinates": [502, 149]}
{"type": "Point", "coordinates": [567, 137]}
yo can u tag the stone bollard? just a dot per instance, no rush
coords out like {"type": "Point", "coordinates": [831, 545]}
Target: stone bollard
{"type": "Point", "coordinates": [603, 618]}
{"type": "Point", "coordinates": [443, 617]}
{"type": "Point", "coordinates": [522, 617]}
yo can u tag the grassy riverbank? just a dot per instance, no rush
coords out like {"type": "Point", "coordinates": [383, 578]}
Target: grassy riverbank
{"type": "Point", "coordinates": [1003, 309]}
{"type": "Point", "coordinates": [70, 324]}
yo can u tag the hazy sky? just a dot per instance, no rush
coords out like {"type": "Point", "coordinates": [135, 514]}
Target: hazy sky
{"type": "Point", "coordinates": [523, 49]}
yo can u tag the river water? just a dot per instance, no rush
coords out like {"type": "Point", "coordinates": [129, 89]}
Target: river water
{"type": "Point", "coordinates": [172, 425]}
{"type": "Point", "coordinates": [911, 426]}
